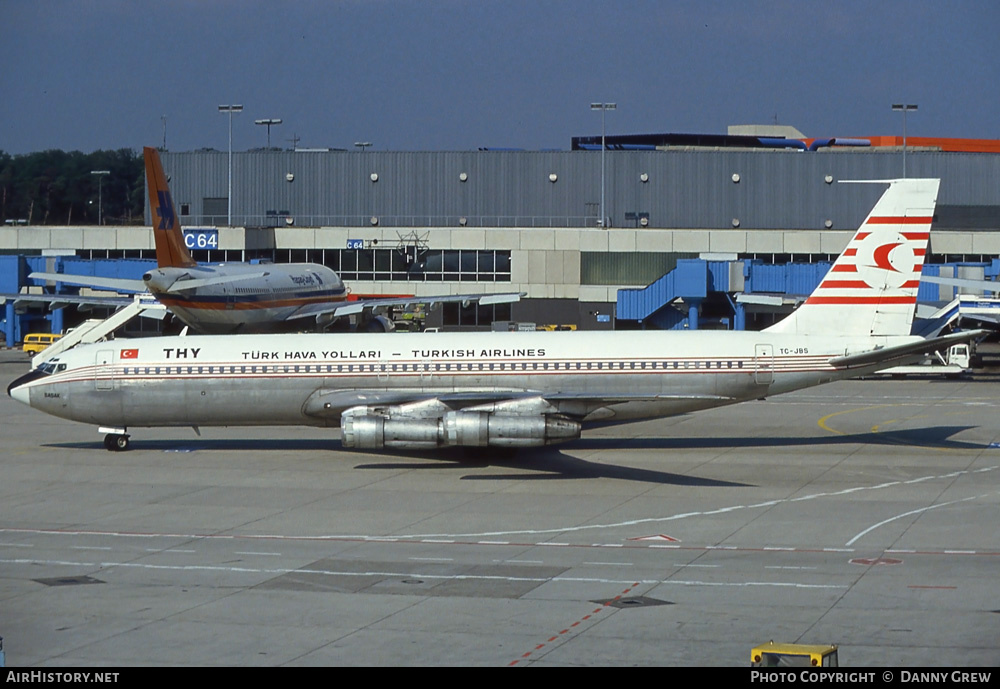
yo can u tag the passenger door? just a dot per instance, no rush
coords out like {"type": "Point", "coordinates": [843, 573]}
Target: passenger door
{"type": "Point", "coordinates": [105, 374]}
{"type": "Point", "coordinates": [763, 364]}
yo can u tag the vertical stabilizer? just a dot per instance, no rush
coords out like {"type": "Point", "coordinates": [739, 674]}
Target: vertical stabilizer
{"type": "Point", "coordinates": [170, 248]}
{"type": "Point", "coordinates": [872, 287]}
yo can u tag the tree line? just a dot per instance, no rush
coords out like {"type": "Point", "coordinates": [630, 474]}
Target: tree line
{"type": "Point", "coordinates": [58, 188]}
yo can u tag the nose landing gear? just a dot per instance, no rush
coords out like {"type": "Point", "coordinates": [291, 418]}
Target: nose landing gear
{"type": "Point", "coordinates": [117, 440]}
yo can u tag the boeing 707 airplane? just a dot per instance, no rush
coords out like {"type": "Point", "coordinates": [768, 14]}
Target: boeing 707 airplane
{"type": "Point", "coordinates": [236, 297]}
{"type": "Point", "coordinates": [420, 391]}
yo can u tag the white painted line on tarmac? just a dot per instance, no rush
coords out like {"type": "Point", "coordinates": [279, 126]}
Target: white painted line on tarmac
{"type": "Point", "coordinates": [278, 571]}
{"type": "Point", "coordinates": [451, 538]}
{"type": "Point", "coordinates": [908, 514]}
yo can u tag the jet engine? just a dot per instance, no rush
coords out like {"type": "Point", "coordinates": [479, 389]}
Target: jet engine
{"type": "Point", "coordinates": [379, 324]}
{"type": "Point", "coordinates": [366, 428]}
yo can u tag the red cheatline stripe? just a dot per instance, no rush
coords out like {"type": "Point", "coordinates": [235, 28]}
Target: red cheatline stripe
{"type": "Point", "coordinates": [919, 252]}
{"type": "Point", "coordinates": [861, 300]}
{"type": "Point", "coordinates": [861, 235]}
{"type": "Point", "coordinates": [917, 235]}
{"type": "Point", "coordinates": [899, 220]}
{"type": "Point", "coordinates": [850, 252]}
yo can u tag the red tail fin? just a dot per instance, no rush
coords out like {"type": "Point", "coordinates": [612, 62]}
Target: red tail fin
{"type": "Point", "coordinates": [170, 248]}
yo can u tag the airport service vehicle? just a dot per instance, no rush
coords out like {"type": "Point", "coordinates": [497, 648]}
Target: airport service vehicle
{"type": "Point", "coordinates": [36, 342]}
{"type": "Point", "coordinates": [238, 297]}
{"type": "Point", "coordinates": [507, 389]}
{"type": "Point", "coordinates": [951, 363]}
{"type": "Point", "coordinates": [794, 655]}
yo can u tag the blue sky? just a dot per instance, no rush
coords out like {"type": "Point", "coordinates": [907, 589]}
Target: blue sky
{"type": "Point", "coordinates": [460, 74]}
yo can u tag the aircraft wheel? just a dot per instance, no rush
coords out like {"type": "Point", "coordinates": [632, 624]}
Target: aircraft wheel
{"type": "Point", "coordinates": [116, 443]}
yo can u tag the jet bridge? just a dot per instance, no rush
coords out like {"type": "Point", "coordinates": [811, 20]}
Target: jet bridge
{"type": "Point", "coordinates": [675, 300]}
{"type": "Point", "coordinates": [686, 286]}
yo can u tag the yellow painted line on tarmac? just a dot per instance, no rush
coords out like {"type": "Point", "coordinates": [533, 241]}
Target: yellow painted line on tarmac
{"type": "Point", "coordinates": [826, 427]}
{"type": "Point", "coordinates": [823, 423]}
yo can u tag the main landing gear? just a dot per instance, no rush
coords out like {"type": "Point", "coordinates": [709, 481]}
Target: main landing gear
{"type": "Point", "coordinates": [117, 440]}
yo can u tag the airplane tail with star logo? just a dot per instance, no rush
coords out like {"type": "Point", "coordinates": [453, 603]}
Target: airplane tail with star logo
{"type": "Point", "coordinates": [169, 240]}
{"type": "Point", "coordinates": [871, 290]}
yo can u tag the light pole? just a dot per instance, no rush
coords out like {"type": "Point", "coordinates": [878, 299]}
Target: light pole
{"type": "Point", "coordinates": [268, 122]}
{"type": "Point", "coordinates": [230, 109]}
{"type": "Point", "coordinates": [603, 107]}
{"type": "Point", "coordinates": [100, 198]}
{"type": "Point", "coordinates": [904, 108]}
{"type": "Point", "coordinates": [362, 145]}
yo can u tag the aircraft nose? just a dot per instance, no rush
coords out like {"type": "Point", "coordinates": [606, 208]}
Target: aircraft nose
{"type": "Point", "coordinates": [20, 394]}
{"type": "Point", "coordinates": [18, 389]}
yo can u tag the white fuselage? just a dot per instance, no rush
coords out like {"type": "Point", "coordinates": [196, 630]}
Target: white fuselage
{"type": "Point", "coordinates": [312, 379]}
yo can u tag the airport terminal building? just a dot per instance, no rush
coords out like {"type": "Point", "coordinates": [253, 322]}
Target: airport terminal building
{"type": "Point", "coordinates": [740, 214]}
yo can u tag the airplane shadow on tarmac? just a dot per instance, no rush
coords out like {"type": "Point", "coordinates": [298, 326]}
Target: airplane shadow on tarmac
{"type": "Point", "coordinates": [549, 463]}
{"type": "Point", "coordinates": [554, 463]}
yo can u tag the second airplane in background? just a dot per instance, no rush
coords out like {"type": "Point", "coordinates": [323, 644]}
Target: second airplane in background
{"type": "Point", "coordinates": [240, 297]}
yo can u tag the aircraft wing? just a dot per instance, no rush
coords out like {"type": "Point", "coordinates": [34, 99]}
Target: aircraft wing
{"type": "Point", "coordinates": [331, 403]}
{"type": "Point", "coordinates": [57, 301]}
{"type": "Point", "coordinates": [118, 284]}
{"type": "Point", "coordinates": [912, 351]}
{"type": "Point", "coordinates": [125, 285]}
{"type": "Point", "coordinates": [338, 309]}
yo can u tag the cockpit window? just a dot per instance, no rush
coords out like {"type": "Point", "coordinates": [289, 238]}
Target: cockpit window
{"type": "Point", "coordinates": [50, 367]}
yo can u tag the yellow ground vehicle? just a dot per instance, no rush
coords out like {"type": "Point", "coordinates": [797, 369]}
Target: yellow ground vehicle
{"type": "Point", "coordinates": [793, 655]}
{"type": "Point", "coordinates": [36, 342]}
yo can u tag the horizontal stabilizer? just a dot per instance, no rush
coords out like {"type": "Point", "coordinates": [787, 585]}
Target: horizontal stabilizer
{"type": "Point", "coordinates": [975, 285]}
{"type": "Point", "coordinates": [912, 350]}
{"type": "Point", "coordinates": [118, 284]}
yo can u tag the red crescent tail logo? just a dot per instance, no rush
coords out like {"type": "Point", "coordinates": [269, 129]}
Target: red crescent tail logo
{"type": "Point", "coordinates": [881, 256]}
